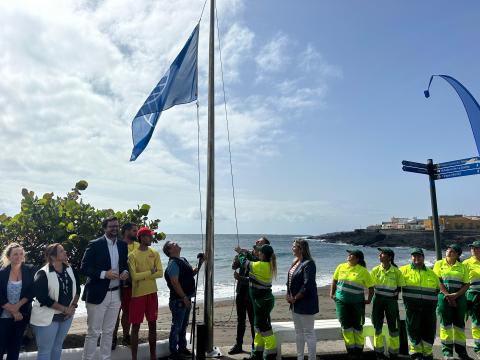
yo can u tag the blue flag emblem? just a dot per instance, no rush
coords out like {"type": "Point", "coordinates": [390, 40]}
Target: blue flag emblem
{"type": "Point", "coordinates": [177, 86]}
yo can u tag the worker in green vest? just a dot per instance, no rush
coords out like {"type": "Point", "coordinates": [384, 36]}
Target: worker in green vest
{"type": "Point", "coordinates": [473, 293]}
{"type": "Point", "coordinates": [420, 299]}
{"type": "Point", "coordinates": [452, 303]}
{"type": "Point", "coordinates": [388, 280]}
{"type": "Point", "coordinates": [350, 281]}
{"type": "Point", "coordinates": [260, 275]}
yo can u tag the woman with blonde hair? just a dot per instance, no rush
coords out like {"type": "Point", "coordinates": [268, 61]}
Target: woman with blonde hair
{"type": "Point", "coordinates": [303, 298]}
{"type": "Point", "coordinates": [16, 284]}
{"type": "Point", "coordinates": [57, 290]}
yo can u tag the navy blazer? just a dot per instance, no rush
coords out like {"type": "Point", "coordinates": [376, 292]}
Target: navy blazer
{"type": "Point", "coordinates": [28, 274]}
{"type": "Point", "coordinates": [303, 280]}
{"type": "Point", "coordinates": [95, 260]}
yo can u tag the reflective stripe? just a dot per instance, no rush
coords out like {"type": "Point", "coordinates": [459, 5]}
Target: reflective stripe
{"type": "Point", "coordinates": [352, 284]}
{"type": "Point", "coordinates": [346, 289]}
{"type": "Point", "coordinates": [420, 288]}
{"type": "Point", "coordinates": [266, 333]}
{"type": "Point", "coordinates": [422, 297]}
{"type": "Point", "coordinates": [384, 293]}
{"type": "Point", "coordinates": [258, 286]}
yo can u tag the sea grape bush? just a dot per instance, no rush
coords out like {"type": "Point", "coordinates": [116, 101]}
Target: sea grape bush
{"type": "Point", "coordinates": [66, 220]}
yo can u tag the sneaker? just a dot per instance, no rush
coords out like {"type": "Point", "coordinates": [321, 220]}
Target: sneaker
{"type": "Point", "coordinates": [236, 349]}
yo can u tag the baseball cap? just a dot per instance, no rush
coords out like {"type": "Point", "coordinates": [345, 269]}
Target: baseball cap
{"type": "Point", "coordinates": [455, 247]}
{"type": "Point", "coordinates": [386, 251]}
{"type": "Point", "coordinates": [357, 253]}
{"type": "Point", "coordinates": [417, 251]}
{"type": "Point", "coordinates": [475, 244]}
{"type": "Point", "coordinates": [145, 231]}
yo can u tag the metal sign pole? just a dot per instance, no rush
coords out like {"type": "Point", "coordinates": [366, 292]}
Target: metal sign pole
{"type": "Point", "coordinates": [433, 198]}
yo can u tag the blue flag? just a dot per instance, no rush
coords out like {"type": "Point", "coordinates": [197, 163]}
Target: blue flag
{"type": "Point", "coordinates": [471, 105]}
{"type": "Point", "coordinates": [177, 86]}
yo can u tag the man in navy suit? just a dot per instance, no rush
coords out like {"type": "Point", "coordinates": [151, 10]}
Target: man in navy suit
{"type": "Point", "coordinates": [105, 265]}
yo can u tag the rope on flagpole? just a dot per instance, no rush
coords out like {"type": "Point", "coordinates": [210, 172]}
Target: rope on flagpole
{"type": "Point", "coordinates": [201, 15]}
{"type": "Point", "coordinates": [230, 155]}
{"type": "Point", "coordinates": [199, 174]}
{"type": "Point", "coordinates": [228, 128]}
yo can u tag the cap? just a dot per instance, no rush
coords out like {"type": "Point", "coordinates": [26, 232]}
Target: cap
{"type": "Point", "coordinates": [475, 244]}
{"type": "Point", "coordinates": [266, 250]}
{"type": "Point", "coordinates": [357, 253]}
{"type": "Point", "coordinates": [145, 231]}
{"type": "Point", "coordinates": [455, 247]}
{"type": "Point", "coordinates": [417, 251]}
{"type": "Point", "coordinates": [386, 251]}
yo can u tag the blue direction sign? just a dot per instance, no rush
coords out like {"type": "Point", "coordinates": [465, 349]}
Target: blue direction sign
{"type": "Point", "coordinates": [414, 164]}
{"type": "Point", "coordinates": [415, 169]}
{"type": "Point", "coordinates": [467, 166]}
{"type": "Point", "coordinates": [458, 162]}
{"type": "Point", "coordinates": [474, 171]}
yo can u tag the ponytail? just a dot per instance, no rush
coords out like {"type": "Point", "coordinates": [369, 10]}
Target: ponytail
{"type": "Point", "coordinates": [273, 265]}
{"type": "Point", "coordinates": [362, 262]}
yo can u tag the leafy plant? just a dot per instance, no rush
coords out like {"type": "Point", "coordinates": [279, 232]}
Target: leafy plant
{"type": "Point", "coordinates": [67, 220]}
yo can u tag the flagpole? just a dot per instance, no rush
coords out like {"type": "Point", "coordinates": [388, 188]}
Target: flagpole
{"type": "Point", "coordinates": [209, 228]}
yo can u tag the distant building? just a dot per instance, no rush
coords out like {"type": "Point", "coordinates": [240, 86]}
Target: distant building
{"type": "Point", "coordinates": [454, 222]}
{"type": "Point", "coordinates": [398, 223]}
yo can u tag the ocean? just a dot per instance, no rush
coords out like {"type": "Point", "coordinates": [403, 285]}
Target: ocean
{"type": "Point", "coordinates": [326, 255]}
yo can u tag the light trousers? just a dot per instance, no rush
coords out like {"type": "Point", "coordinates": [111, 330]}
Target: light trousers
{"type": "Point", "coordinates": [305, 331]}
{"type": "Point", "coordinates": [50, 339]}
{"type": "Point", "coordinates": [101, 321]}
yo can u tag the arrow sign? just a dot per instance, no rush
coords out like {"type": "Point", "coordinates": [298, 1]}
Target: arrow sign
{"type": "Point", "coordinates": [467, 166]}
{"type": "Point", "coordinates": [475, 171]}
{"type": "Point", "coordinates": [415, 170]}
{"type": "Point", "coordinates": [458, 162]}
{"type": "Point", "coordinates": [414, 164]}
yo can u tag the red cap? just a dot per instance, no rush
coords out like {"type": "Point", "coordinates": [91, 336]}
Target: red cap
{"type": "Point", "coordinates": [144, 231]}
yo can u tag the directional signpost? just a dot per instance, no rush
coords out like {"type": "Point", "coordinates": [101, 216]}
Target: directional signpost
{"type": "Point", "coordinates": [446, 170]}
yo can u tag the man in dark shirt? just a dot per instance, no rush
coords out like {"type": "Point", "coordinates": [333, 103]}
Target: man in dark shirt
{"type": "Point", "coordinates": [180, 277]}
{"type": "Point", "coordinates": [242, 301]}
{"type": "Point", "coordinates": [243, 306]}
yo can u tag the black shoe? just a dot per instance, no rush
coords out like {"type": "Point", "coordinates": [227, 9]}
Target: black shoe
{"type": "Point", "coordinates": [114, 343]}
{"type": "Point", "coordinates": [185, 353]}
{"type": "Point", "coordinates": [236, 349]}
{"type": "Point", "coordinates": [126, 340]}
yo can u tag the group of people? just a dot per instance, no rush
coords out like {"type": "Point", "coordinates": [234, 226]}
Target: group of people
{"type": "Point", "coordinates": [450, 290]}
{"type": "Point", "coordinates": [121, 278]}
{"type": "Point", "coordinates": [120, 275]}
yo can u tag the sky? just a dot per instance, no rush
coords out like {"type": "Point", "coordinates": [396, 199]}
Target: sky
{"type": "Point", "coordinates": [324, 98]}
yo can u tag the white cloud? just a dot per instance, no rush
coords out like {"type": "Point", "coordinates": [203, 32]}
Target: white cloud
{"type": "Point", "coordinates": [273, 56]}
{"type": "Point", "coordinates": [75, 72]}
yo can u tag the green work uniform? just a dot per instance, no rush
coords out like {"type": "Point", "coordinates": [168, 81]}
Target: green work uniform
{"type": "Point", "coordinates": [385, 304]}
{"type": "Point", "coordinates": [452, 319]}
{"type": "Point", "coordinates": [420, 299]}
{"type": "Point", "coordinates": [352, 281]}
{"type": "Point", "coordinates": [473, 299]}
{"type": "Point", "coordinates": [260, 289]}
